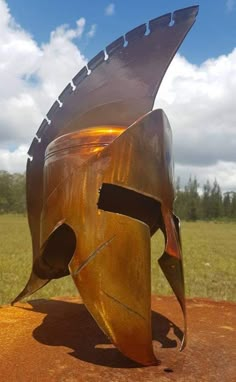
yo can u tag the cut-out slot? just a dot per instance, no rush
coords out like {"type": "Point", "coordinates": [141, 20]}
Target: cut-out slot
{"type": "Point", "coordinates": [30, 157]}
{"type": "Point", "coordinates": [60, 103]}
{"type": "Point", "coordinates": [172, 22]}
{"type": "Point", "coordinates": [106, 56]}
{"type": "Point", "coordinates": [38, 139]}
{"type": "Point", "coordinates": [127, 202]}
{"type": "Point", "coordinates": [73, 86]}
{"type": "Point", "coordinates": [48, 120]}
{"type": "Point", "coordinates": [125, 43]}
{"type": "Point", "coordinates": [148, 31]}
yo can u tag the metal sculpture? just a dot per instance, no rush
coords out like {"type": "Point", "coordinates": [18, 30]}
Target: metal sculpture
{"type": "Point", "coordinates": [100, 183]}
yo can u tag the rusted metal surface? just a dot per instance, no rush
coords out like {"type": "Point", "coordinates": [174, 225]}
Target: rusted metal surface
{"type": "Point", "coordinates": [113, 91]}
{"type": "Point", "coordinates": [100, 183]}
{"type": "Point", "coordinates": [104, 236]}
{"type": "Point", "coordinates": [57, 340]}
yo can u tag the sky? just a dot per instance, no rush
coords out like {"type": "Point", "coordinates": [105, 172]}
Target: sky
{"type": "Point", "coordinates": [43, 44]}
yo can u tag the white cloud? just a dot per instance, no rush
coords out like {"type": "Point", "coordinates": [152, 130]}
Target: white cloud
{"type": "Point", "coordinates": [230, 5]}
{"type": "Point", "coordinates": [32, 77]}
{"type": "Point", "coordinates": [224, 172]}
{"type": "Point", "coordinates": [200, 104]}
{"type": "Point", "coordinates": [13, 161]}
{"type": "Point", "coordinates": [63, 32]}
{"type": "Point", "coordinates": [110, 9]}
{"type": "Point", "coordinates": [92, 31]}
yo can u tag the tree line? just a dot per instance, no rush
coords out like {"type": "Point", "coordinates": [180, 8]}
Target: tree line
{"type": "Point", "coordinates": [191, 203]}
{"type": "Point", "coordinates": [206, 203]}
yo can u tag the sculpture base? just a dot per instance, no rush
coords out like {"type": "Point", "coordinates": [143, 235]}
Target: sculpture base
{"type": "Point", "coordinates": [57, 340]}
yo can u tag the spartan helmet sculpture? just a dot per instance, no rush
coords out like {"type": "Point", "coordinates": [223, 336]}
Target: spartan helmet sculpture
{"type": "Point", "coordinates": [100, 184]}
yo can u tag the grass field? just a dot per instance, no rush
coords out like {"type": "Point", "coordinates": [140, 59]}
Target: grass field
{"type": "Point", "coordinates": [209, 261]}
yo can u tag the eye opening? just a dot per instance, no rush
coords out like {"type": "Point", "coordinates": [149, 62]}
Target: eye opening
{"type": "Point", "coordinates": [118, 199]}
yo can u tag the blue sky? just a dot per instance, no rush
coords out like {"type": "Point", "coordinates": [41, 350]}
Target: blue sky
{"type": "Point", "coordinates": [43, 44]}
{"type": "Point", "coordinates": [213, 34]}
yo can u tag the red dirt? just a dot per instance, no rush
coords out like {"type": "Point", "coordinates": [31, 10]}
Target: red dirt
{"type": "Point", "coordinates": [57, 340]}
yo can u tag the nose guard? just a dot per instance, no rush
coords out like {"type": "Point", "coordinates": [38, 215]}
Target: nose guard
{"type": "Point", "coordinates": [106, 210]}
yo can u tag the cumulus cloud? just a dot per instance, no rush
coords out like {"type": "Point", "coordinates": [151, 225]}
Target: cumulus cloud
{"type": "Point", "coordinates": [13, 161]}
{"type": "Point", "coordinates": [110, 9]}
{"type": "Point", "coordinates": [65, 33]}
{"type": "Point", "coordinates": [32, 76]}
{"type": "Point", "coordinates": [224, 172]}
{"type": "Point", "coordinates": [200, 104]}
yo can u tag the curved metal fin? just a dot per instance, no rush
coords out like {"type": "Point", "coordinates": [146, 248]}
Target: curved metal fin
{"type": "Point", "coordinates": [171, 262]}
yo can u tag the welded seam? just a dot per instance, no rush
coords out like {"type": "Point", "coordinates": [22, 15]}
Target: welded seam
{"type": "Point", "coordinates": [123, 305]}
{"type": "Point", "coordinates": [93, 254]}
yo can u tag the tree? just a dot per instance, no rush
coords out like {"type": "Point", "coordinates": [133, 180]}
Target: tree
{"type": "Point", "coordinates": [18, 193]}
{"type": "Point", "coordinates": [227, 204]}
{"type": "Point", "coordinates": [187, 203]}
{"type": "Point", "coordinates": [5, 191]}
{"type": "Point", "coordinates": [205, 201]}
{"type": "Point", "coordinates": [216, 200]}
{"type": "Point", "coordinates": [12, 192]}
{"type": "Point", "coordinates": [192, 199]}
{"type": "Point", "coordinates": [233, 205]}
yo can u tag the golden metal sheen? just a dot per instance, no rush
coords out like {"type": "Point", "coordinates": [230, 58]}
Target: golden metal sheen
{"type": "Point", "coordinates": [100, 184]}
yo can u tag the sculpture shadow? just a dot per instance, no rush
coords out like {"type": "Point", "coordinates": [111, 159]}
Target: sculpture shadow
{"type": "Point", "coordinates": [71, 325]}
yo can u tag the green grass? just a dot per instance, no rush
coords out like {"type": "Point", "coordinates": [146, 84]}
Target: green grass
{"type": "Point", "coordinates": [209, 261]}
{"type": "Point", "coordinates": [209, 254]}
{"type": "Point", "coordinates": [15, 262]}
